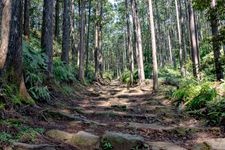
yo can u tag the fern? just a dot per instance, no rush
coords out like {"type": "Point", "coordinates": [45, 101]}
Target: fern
{"type": "Point", "coordinates": [35, 65]}
{"type": "Point", "coordinates": [63, 72]}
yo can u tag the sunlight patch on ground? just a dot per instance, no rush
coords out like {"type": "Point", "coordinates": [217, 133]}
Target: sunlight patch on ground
{"type": "Point", "coordinates": [114, 101]}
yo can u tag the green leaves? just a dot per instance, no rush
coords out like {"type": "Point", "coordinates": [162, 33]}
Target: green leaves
{"type": "Point", "coordinates": [63, 72]}
{"type": "Point", "coordinates": [35, 66]}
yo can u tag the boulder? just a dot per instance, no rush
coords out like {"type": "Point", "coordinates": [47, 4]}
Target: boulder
{"type": "Point", "coordinates": [164, 146]}
{"type": "Point", "coordinates": [85, 141]}
{"type": "Point", "coordinates": [122, 141]}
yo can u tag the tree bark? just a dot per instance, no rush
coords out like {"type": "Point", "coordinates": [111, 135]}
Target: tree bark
{"type": "Point", "coordinates": [57, 12]}
{"type": "Point", "coordinates": [1, 3]}
{"type": "Point", "coordinates": [88, 36]}
{"type": "Point", "coordinates": [47, 34]}
{"type": "Point", "coordinates": [26, 24]}
{"type": "Point", "coordinates": [66, 32]}
{"type": "Point", "coordinates": [182, 70]}
{"type": "Point", "coordinates": [170, 48]}
{"type": "Point", "coordinates": [130, 51]}
{"type": "Point", "coordinates": [82, 44]}
{"type": "Point", "coordinates": [139, 51]}
{"type": "Point", "coordinates": [154, 52]}
{"type": "Point", "coordinates": [73, 33]}
{"type": "Point", "coordinates": [215, 42]}
{"type": "Point", "coordinates": [194, 46]}
{"type": "Point", "coordinates": [96, 41]}
{"type": "Point", "coordinates": [11, 47]}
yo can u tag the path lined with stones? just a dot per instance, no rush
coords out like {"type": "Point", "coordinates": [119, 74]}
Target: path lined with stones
{"type": "Point", "coordinates": [129, 118]}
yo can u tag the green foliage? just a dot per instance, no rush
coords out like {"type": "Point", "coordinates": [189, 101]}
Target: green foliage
{"type": "Point", "coordinates": [63, 88]}
{"type": "Point", "coordinates": [90, 73]}
{"type": "Point", "coordinates": [126, 77]}
{"type": "Point", "coordinates": [63, 72]}
{"type": "Point", "coordinates": [108, 75]}
{"type": "Point", "coordinates": [28, 134]}
{"type": "Point", "coordinates": [216, 112]}
{"type": "Point", "coordinates": [106, 145]}
{"type": "Point", "coordinates": [148, 71]}
{"type": "Point", "coordinates": [20, 132]}
{"type": "Point", "coordinates": [195, 95]}
{"type": "Point", "coordinates": [11, 93]}
{"type": "Point", "coordinates": [168, 72]}
{"type": "Point", "coordinates": [187, 92]}
{"type": "Point", "coordinates": [35, 65]}
{"type": "Point", "coordinates": [5, 137]}
{"type": "Point", "coordinates": [40, 93]}
{"type": "Point", "coordinates": [206, 94]}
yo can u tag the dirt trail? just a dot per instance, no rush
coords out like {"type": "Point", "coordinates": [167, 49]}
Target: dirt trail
{"type": "Point", "coordinates": [135, 110]}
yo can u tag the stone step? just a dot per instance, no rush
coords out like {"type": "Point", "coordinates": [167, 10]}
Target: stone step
{"type": "Point", "coordinates": [164, 146]}
{"type": "Point", "coordinates": [119, 114]}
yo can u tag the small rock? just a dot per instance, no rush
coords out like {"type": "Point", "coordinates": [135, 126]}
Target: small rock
{"type": "Point", "coordinates": [59, 135]}
{"type": "Point", "coordinates": [122, 141]}
{"type": "Point", "coordinates": [164, 146]}
{"type": "Point", "coordinates": [85, 141]}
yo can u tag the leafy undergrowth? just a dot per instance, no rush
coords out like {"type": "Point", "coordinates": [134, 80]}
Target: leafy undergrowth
{"type": "Point", "coordinates": [13, 130]}
{"type": "Point", "coordinates": [202, 99]}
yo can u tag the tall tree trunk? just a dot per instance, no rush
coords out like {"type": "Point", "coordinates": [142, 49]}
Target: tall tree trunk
{"type": "Point", "coordinates": [88, 36]}
{"type": "Point", "coordinates": [194, 47]}
{"type": "Point", "coordinates": [170, 48]}
{"type": "Point", "coordinates": [216, 44]}
{"type": "Point", "coordinates": [96, 41]}
{"type": "Point", "coordinates": [179, 39]}
{"type": "Point", "coordinates": [26, 24]}
{"type": "Point", "coordinates": [11, 46]}
{"type": "Point", "coordinates": [130, 51]}
{"type": "Point", "coordinates": [154, 52]}
{"type": "Point", "coordinates": [1, 5]}
{"type": "Point", "coordinates": [66, 32]}
{"type": "Point", "coordinates": [139, 51]}
{"type": "Point", "coordinates": [47, 34]}
{"type": "Point", "coordinates": [73, 33]}
{"type": "Point", "coordinates": [100, 56]}
{"type": "Point", "coordinates": [57, 13]}
{"type": "Point", "coordinates": [82, 44]}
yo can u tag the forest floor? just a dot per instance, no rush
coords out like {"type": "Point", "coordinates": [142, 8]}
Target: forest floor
{"type": "Point", "coordinates": [115, 107]}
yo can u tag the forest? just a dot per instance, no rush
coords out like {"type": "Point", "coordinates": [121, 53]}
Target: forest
{"type": "Point", "coordinates": [112, 74]}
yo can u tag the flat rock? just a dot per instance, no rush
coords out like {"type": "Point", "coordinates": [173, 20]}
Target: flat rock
{"type": "Point", "coordinates": [85, 141]}
{"type": "Point", "coordinates": [82, 140]}
{"type": "Point", "coordinates": [201, 146]}
{"type": "Point", "coordinates": [212, 144]}
{"type": "Point", "coordinates": [24, 146]}
{"type": "Point", "coordinates": [164, 146]}
{"type": "Point", "coordinates": [149, 126]}
{"type": "Point", "coordinates": [122, 141]}
{"type": "Point", "coordinates": [59, 135]}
